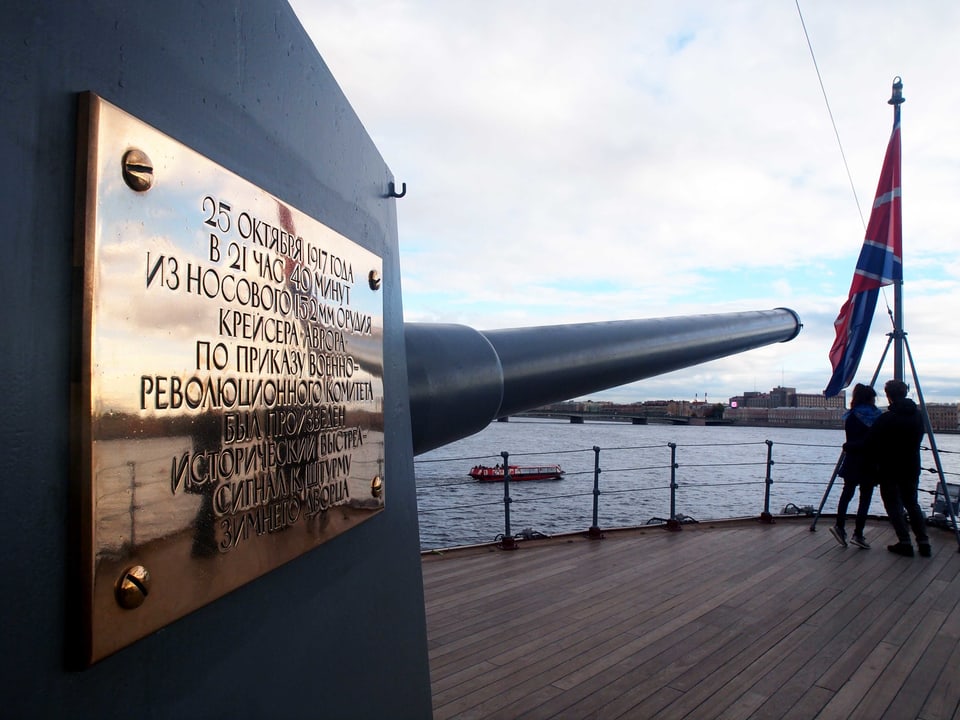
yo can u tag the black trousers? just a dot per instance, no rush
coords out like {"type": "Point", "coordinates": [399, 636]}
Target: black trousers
{"type": "Point", "coordinates": [863, 509]}
{"type": "Point", "coordinates": [901, 495]}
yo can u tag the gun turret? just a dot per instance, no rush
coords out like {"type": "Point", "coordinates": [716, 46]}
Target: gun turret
{"type": "Point", "coordinates": [461, 379]}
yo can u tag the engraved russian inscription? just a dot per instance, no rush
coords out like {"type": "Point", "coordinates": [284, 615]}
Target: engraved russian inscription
{"type": "Point", "coordinates": [234, 390]}
{"type": "Point", "coordinates": [277, 368]}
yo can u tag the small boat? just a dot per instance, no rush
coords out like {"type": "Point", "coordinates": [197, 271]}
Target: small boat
{"type": "Point", "coordinates": [483, 473]}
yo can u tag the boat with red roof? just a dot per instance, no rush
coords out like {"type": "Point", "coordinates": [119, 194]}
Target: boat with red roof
{"type": "Point", "coordinates": [484, 473]}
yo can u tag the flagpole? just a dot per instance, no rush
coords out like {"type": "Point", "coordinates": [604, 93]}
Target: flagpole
{"type": "Point", "coordinates": [878, 264]}
{"type": "Point", "coordinates": [897, 100]}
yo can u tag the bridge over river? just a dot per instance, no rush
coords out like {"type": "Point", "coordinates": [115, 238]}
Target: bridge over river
{"type": "Point", "coordinates": [578, 418]}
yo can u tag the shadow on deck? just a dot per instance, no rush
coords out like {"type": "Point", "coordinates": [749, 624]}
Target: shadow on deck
{"type": "Point", "coordinates": [733, 619]}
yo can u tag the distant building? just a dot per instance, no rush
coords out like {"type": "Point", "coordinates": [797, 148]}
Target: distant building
{"type": "Point", "coordinates": [785, 406]}
{"type": "Point", "coordinates": [782, 406]}
{"type": "Point", "coordinates": [656, 408]}
{"type": "Point", "coordinates": [806, 416]}
{"type": "Point", "coordinates": [751, 400]}
{"type": "Point", "coordinates": [817, 400]}
{"type": "Point", "coordinates": [747, 415]}
{"type": "Point", "coordinates": [944, 417]}
{"type": "Point", "coordinates": [787, 397]}
{"type": "Point", "coordinates": [783, 397]}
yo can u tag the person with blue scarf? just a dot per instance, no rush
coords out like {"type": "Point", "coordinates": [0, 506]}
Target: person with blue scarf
{"type": "Point", "coordinates": [856, 470]}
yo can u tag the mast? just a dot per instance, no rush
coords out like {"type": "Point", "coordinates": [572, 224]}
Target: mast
{"type": "Point", "coordinates": [897, 100]}
{"type": "Point", "coordinates": [880, 263]}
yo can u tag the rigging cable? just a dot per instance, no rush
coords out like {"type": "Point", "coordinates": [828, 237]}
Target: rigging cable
{"type": "Point", "coordinates": [830, 113]}
{"type": "Point", "coordinates": [837, 134]}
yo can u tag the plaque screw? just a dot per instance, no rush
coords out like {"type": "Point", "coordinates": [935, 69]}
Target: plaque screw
{"type": "Point", "coordinates": [137, 170]}
{"type": "Point", "coordinates": [374, 279]}
{"type": "Point", "coordinates": [133, 587]}
{"type": "Point", "coordinates": [376, 486]}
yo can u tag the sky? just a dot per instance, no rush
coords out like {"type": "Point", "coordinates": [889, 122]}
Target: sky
{"type": "Point", "coordinates": [576, 162]}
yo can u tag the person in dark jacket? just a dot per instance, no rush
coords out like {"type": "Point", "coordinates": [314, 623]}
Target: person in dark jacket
{"type": "Point", "coordinates": [856, 470]}
{"type": "Point", "coordinates": [894, 445]}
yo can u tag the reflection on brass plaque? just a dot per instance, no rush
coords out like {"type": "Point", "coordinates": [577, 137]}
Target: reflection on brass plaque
{"type": "Point", "coordinates": [230, 401]}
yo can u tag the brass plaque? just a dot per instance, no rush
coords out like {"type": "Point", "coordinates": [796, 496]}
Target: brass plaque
{"type": "Point", "coordinates": [230, 398]}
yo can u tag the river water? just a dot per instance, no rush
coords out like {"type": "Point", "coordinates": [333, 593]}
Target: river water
{"type": "Point", "coordinates": [721, 473]}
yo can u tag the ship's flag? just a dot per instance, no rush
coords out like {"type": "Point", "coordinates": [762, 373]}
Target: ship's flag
{"type": "Point", "coordinates": [879, 264]}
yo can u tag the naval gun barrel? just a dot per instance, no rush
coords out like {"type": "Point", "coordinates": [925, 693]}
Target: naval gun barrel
{"type": "Point", "coordinates": [461, 379]}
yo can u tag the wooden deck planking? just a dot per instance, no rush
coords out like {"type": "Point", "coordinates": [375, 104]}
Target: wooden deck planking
{"type": "Point", "coordinates": [594, 658]}
{"type": "Point", "coordinates": [720, 620]}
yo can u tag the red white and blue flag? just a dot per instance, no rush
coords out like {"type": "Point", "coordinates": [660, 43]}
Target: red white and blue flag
{"type": "Point", "coordinates": [880, 264]}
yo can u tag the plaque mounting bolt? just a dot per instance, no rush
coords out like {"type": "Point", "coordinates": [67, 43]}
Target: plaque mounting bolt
{"type": "Point", "coordinates": [374, 279]}
{"type": "Point", "coordinates": [133, 587]}
{"type": "Point", "coordinates": [137, 170]}
{"type": "Point", "coordinates": [376, 486]}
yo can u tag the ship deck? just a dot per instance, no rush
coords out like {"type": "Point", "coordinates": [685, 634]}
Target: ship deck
{"type": "Point", "coordinates": [733, 619]}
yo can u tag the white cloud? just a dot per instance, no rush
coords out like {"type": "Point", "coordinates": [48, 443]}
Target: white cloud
{"type": "Point", "coordinates": [569, 162]}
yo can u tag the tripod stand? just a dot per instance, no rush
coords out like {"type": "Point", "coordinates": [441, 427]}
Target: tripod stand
{"type": "Point", "coordinates": [941, 482]}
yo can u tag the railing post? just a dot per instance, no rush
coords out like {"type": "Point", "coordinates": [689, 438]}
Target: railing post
{"type": "Point", "coordinates": [507, 542]}
{"type": "Point", "coordinates": [765, 516]}
{"type": "Point", "coordinates": [595, 533]}
{"type": "Point", "coordinates": [673, 523]}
